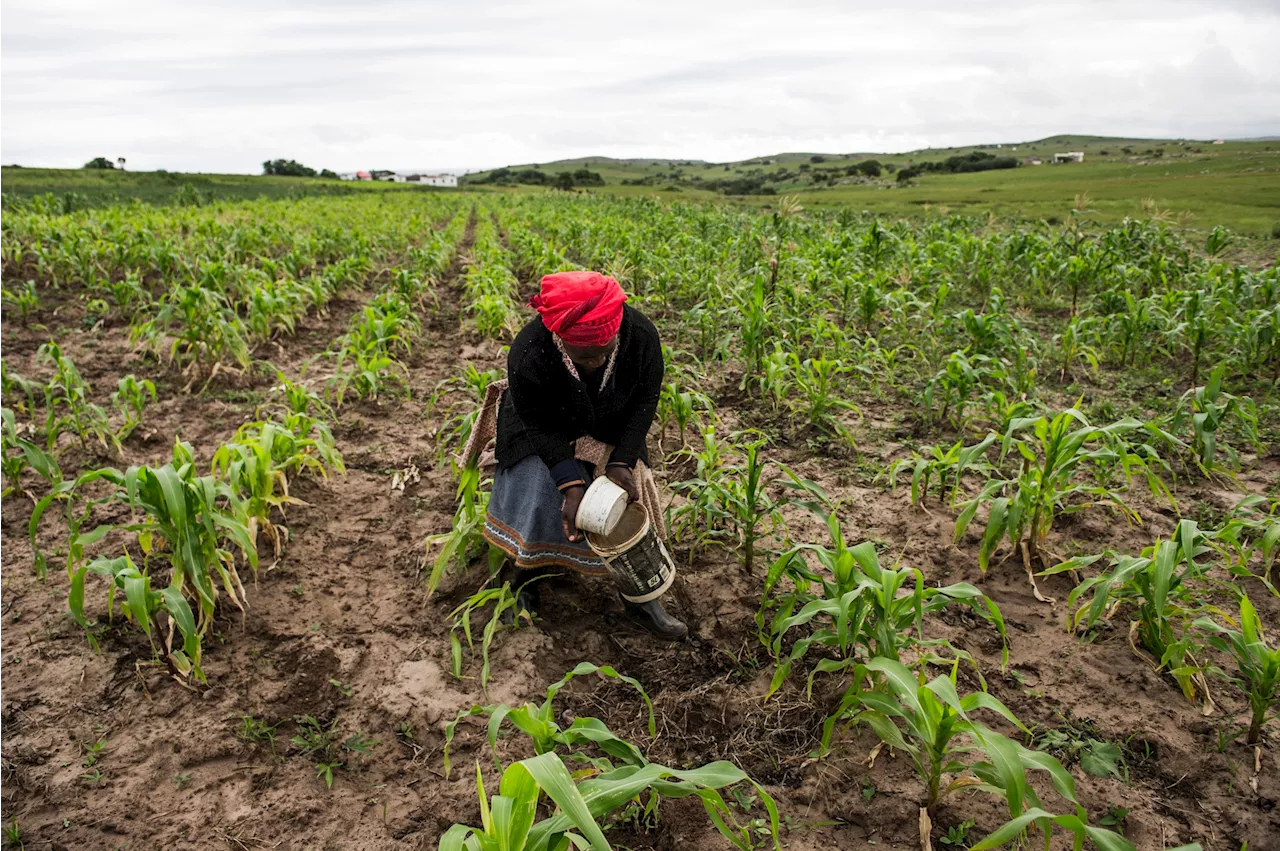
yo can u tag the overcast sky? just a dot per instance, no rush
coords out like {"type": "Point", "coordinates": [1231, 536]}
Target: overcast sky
{"type": "Point", "coordinates": [200, 86]}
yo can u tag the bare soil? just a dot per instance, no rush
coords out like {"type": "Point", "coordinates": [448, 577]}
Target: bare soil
{"type": "Point", "coordinates": [341, 628]}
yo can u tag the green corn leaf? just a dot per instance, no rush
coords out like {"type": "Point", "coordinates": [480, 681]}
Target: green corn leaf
{"type": "Point", "coordinates": [1016, 827]}
{"type": "Point", "coordinates": [137, 593]}
{"type": "Point", "coordinates": [75, 600]}
{"type": "Point", "coordinates": [551, 775]}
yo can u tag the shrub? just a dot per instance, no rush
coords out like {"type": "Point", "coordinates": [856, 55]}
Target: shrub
{"type": "Point", "coordinates": [288, 168]}
{"type": "Point", "coordinates": [870, 168]}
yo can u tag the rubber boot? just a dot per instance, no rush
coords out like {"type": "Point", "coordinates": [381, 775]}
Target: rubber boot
{"type": "Point", "coordinates": [528, 599]}
{"type": "Point", "coordinates": [528, 593]}
{"type": "Point", "coordinates": [654, 618]}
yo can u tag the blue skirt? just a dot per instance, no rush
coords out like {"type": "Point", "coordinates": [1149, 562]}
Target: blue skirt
{"type": "Point", "coordinates": [524, 521]}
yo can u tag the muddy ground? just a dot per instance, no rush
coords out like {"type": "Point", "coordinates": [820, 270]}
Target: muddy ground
{"type": "Point", "coordinates": [341, 628]}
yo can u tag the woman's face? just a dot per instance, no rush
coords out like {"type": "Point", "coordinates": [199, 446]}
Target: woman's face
{"type": "Point", "coordinates": [591, 358]}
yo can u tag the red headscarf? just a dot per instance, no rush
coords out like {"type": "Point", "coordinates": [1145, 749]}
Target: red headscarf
{"type": "Point", "coordinates": [581, 308]}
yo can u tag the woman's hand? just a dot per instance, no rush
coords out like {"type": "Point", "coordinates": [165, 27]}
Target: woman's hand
{"type": "Point", "coordinates": [621, 475]}
{"type": "Point", "coordinates": [569, 512]}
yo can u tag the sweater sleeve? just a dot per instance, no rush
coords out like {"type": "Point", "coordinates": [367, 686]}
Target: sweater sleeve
{"type": "Point", "coordinates": [631, 445]}
{"type": "Point", "coordinates": [530, 400]}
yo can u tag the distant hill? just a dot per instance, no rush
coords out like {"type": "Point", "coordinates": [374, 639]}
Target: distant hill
{"type": "Point", "coordinates": [1202, 182]}
{"type": "Point", "coordinates": [615, 169]}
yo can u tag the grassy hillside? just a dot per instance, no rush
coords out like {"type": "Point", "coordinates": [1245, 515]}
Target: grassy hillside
{"type": "Point", "coordinates": [90, 187]}
{"type": "Point", "coordinates": [1199, 184]}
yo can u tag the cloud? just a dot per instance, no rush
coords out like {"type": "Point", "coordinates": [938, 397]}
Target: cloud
{"type": "Point", "coordinates": [226, 85]}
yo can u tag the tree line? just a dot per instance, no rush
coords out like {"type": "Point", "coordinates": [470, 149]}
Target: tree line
{"type": "Point", "coordinates": [537, 177]}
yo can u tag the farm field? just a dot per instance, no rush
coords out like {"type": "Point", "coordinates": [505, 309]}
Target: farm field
{"type": "Point", "coordinates": [975, 524]}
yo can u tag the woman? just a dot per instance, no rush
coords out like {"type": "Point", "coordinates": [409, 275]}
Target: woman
{"type": "Point", "coordinates": [588, 366]}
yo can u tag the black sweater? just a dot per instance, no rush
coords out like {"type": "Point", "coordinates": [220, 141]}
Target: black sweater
{"type": "Point", "coordinates": [545, 408]}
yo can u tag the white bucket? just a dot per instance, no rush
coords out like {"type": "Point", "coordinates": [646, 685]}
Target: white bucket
{"type": "Point", "coordinates": [601, 507]}
{"type": "Point", "coordinates": [636, 557]}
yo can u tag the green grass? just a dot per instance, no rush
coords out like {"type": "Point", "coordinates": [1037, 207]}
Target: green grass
{"type": "Point", "coordinates": [1197, 184]}
{"type": "Point", "coordinates": [1197, 194]}
{"type": "Point", "coordinates": [94, 187]}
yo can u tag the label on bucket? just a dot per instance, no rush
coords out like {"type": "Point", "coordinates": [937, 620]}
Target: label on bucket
{"type": "Point", "coordinates": [644, 572]}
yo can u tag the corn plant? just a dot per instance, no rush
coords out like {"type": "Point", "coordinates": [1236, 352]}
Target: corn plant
{"type": "Point", "coordinates": [1257, 665]}
{"type": "Point", "coordinates": [701, 516]}
{"type": "Point", "coordinates": [539, 724]}
{"type": "Point", "coordinates": [1158, 582]}
{"type": "Point", "coordinates": [193, 515]}
{"type": "Point", "coordinates": [13, 458]}
{"type": "Point", "coordinates": [17, 454]}
{"type": "Point", "coordinates": [503, 599]}
{"type": "Point", "coordinates": [681, 407]}
{"type": "Point", "coordinates": [274, 307]}
{"type": "Point", "coordinates": [1249, 532]}
{"type": "Point", "coordinates": [733, 501]}
{"type": "Point", "coordinates": [455, 428]}
{"type": "Point", "coordinates": [248, 468]}
{"type": "Point", "coordinates": [206, 333]}
{"type": "Point", "coordinates": [1071, 349]}
{"type": "Point", "coordinates": [932, 724]}
{"type": "Point", "coordinates": [924, 721]}
{"type": "Point", "coordinates": [754, 333]}
{"type": "Point", "coordinates": [946, 467]}
{"type": "Point", "coordinates": [816, 381]}
{"type": "Point", "coordinates": [1218, 240]}
{"type": "Point", "coordinates": [143, 606]}
{"type": "Point", "coordinates": [365, 358]}
{"type": "Point", "coordinates": [949, 394]}
{"type": "Point", "coordinates": [298, 399]}
{"type": "Point", "coordinates": [1053, 452]}
{"type": "Point", "coordinates": [130, 399]}
{"type": "Point", "coordinates": [1208, 409]}
{"type": "Point", "coordinates": [366, 372]}
{"type": "Point", "coordinates": [28, 392]}
{"type": "Point", "coordinates": [24, 299]}
{"type": "Point", "coordinates": [1129, 329]}
{"type": "Point", "coordinates": [297, 443]}
{"type": "Point", "coordinates": [465, 539]}
{"type": "Point", "coordinates": [1195, 318]}
{"type": "Point", "coordinates": [67, 405]}
{"type": "Point", "coordinates": [777, 377]}
{"type": "Point", "coordinates": [386, 325]}
{"type": "Point", "coordinates": [861, 609]}
{"type": "Point", "coordinates": [129, 294]}
{"type": "Point", "coordinates": [508, 821]}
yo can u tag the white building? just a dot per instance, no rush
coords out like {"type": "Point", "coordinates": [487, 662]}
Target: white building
{"type": "Point", "coordinates": [419, 179]}
{"type": "Point", "coordinates": [434, 179]}
{"type": "Point", "coordinates": [1069, 157]}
